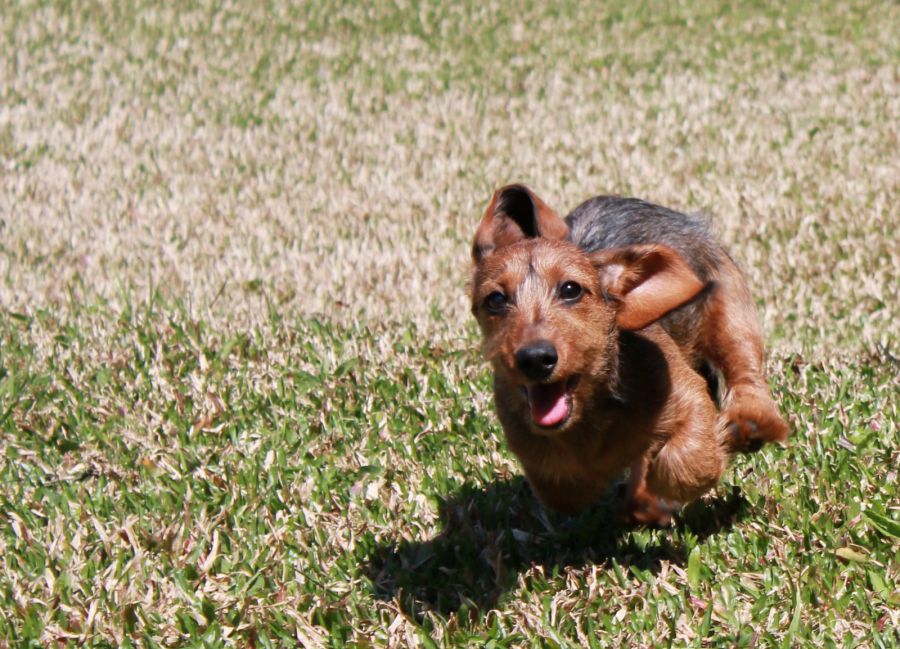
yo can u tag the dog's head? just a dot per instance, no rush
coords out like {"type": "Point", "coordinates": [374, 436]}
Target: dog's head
{"type": "Point", "coordinates": [549, 312]}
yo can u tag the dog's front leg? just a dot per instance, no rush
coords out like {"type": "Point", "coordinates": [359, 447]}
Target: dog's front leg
{"type": "Point", "coordinates": [642, 506]}
{"type": "Point", "coordinates": [691, 460]}
{"type": "Point", "coordinates": [566, 495]}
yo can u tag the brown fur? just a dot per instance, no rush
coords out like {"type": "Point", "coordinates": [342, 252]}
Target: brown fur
{"type": "Point", "coordinates": [634, 399]}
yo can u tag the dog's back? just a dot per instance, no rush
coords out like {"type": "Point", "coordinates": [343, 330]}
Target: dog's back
{"type": "Point", "coordinates": [719, 328]}
{"type": "Point", "coordinates": [616, 222]}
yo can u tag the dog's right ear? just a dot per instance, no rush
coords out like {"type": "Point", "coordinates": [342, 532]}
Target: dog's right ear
{"type": "Point", "coordinates": [645, 281]}
{"type": "Point", "coordinates": [515, 213]}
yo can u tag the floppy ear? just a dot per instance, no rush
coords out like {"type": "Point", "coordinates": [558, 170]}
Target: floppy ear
{"type": "Point", "coordinates": [515, 213]}
{"type": "Point", "coordinates": [647, 281]}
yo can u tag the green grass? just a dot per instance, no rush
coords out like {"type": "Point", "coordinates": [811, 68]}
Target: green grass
{"type": "Point", "coordinates": [241, 399]}
{"type": "Point", "coordinates": [188, 487]}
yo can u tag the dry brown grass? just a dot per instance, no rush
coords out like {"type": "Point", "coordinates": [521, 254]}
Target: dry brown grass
{"type": "Point", "coordinates": [133, 159]}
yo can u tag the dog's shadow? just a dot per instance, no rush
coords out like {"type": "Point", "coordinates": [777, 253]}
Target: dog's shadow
{"type": "Point", "coordinates": [491, 534]}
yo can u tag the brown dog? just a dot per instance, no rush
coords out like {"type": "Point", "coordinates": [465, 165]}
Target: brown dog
{"type": "Point", "coordinates": [603, 330]}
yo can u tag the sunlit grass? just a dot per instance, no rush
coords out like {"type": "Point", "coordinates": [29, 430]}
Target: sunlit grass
{"type": "Point", "coordinates": [241, 401]}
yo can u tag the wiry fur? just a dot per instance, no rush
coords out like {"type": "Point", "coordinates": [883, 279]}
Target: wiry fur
{"type": "Point", "coordinates": [633, 392]}
{"type": "Point", "coordinates": [720, 328]}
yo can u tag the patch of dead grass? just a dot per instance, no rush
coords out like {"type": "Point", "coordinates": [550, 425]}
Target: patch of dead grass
{"type": "Point", "coordinates": [176, 168]}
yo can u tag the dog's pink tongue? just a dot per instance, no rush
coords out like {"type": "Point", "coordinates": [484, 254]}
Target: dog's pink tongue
{"type": "Point", "coordinates": [549, 405]}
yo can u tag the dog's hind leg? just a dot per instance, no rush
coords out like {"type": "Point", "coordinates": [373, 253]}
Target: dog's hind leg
{"type": "Point", "coordinates": [732, 338]}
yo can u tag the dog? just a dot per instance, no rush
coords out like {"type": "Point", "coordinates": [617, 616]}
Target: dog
{"type": "Point", "coordinates": [607, 332]}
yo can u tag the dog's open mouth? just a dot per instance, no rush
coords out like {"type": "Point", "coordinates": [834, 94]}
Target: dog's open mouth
{"type": "Point", "coordinates": [550, 403]}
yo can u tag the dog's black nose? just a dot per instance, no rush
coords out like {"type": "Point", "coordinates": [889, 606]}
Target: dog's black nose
{"type": "Point", "coordinates": [537, 360]}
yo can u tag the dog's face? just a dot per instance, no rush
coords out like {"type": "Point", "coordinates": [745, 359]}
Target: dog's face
{"type": "Point", "coordinates": [547, 329]}
{"type": "Point", "coordinates": [549, 312]}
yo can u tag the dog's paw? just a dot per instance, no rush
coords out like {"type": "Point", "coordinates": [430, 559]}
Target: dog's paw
{"type": "Point", "coordinates": [751, 420]}
{"type": "Point", "coordinates": [646, 510]}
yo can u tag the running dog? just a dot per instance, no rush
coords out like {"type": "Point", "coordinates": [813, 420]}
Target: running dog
{"type": "Point", "coordinates": [607, 332]}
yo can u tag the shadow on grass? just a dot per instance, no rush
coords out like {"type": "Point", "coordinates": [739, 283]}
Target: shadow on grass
{"type": "Point", "coordinates": [491, 534]}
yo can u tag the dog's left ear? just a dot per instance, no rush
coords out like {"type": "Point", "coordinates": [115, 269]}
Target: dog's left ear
{"type": "Point", "coordinates": [515, 213]}
{"type": "Point", "coordinates": [646, 281]}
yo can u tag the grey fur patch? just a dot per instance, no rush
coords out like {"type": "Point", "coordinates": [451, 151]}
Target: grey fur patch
{"type": "Point", "coordinates": [613, 221]}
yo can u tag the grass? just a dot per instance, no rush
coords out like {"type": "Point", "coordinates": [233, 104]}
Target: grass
{"type": "Point", "coordinates": [241, 401]}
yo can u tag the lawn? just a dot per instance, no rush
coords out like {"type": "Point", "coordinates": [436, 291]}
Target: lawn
{"type": "Point", "coordinates": [241, 397]}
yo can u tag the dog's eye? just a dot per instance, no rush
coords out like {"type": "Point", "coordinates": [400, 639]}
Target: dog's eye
{"type": "Point", "coordinates": [570, 291]}
{"type": "Point", "coordinates": [496, 302]}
